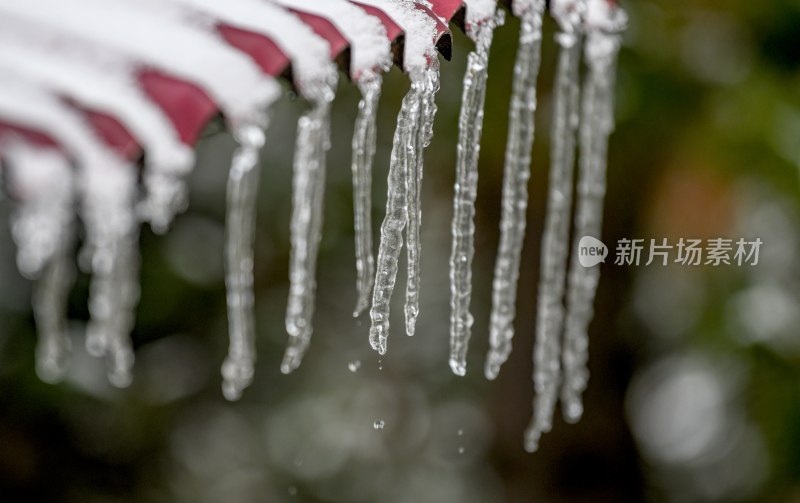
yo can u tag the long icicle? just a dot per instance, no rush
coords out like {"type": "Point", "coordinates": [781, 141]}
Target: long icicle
{"type": "Point", "coordinates": [313, 141]}
{"type": "Point", "coordinates": [401, 165]}
{"type": "Point", "coordinates": [242, 190]}
{"type": "Point", "coordinates": [550, 315]}
{"type": "Point", "coordinates": [470, 125]}
{"type": "Point", "coordinates": [597, 123]}
{"type": "Point", "coordinates": [363, 153]}
{"type": "Point", "coordinates": [422, 138]}
{"type": "Point", "coordinates": [521, 127]}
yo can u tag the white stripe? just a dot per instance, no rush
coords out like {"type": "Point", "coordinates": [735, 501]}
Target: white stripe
{"type": "Point", "coordinates": [113, 92]}
{"type": "Point", "coordinates": [369, 43]}
{"type": "Point", "coordinates": [308, 52]}
{"type": "Point", "coordinates": [106, 178]}
{"type": "Point", "coordinates": [419, 28]}
{"type": "Point", "coordinates": [230, 77]}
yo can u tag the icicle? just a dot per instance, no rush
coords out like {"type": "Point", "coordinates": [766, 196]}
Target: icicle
{"type": "Point", "coordinates": [111, 246]}
{"type": "Point", "coordinates": [402, 159]}
{"type": "Point", "coordinates": [42, 228]}
{"type": "Point", "coordinates": [597, 122]}
{"type": "Point", "coordinates": [107, 184]}
{"type": "Point", "coordinates": [550, 315]}
{"type": "Point", "coordinates": [521, 124]}
{"type": "Point", "coordinates": [470, 126]}
{"type": "Point", "coordinates": [237, 370]}
{"type": "Point", "coordinates": [49, 308]}
{"type": "Point", "coordinates": [363, 152]}
{"type": "Point", "coordinates": [313, 141]}
{"type": "Point", "coordinates": [429, 86]}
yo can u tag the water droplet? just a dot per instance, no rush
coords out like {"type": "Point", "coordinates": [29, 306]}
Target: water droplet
{"type": "Point", "coordinates": [354, 365]}
{"type": "Point", "coordinates": [292, 491]}
{"type": "Point", "coordinates": [378, 425]}
{"type": "Point", "coordinates": [461, 450]}
{"type": "Point", "coordinates": [460, 432]}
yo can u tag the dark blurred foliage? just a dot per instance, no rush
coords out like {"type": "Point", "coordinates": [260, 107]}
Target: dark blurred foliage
{"type": "Point", "coordinates": [695, 392]}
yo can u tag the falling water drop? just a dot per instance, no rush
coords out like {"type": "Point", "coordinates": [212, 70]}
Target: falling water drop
{"type": "Point", "coordinates": [313, 141]}
{"type": "Point", "coordinates": [354, 365]}
{"type": "Point", "coordinates": [363, 152]}
{"type": "Point", "coordinates": [597, 122]}
{"type": "Point", "coordinates": [550, 315]}
{"type": "Point", "coordinates": [470, 125]}
{"type": "Point", "coordinates": [378, 425]}
{"type": "Point", "coordinates": [421, 136]}
{"type": "Point", "coordinates": [521, 124]}
{"type": "Point", "coordinates": [237, 369]}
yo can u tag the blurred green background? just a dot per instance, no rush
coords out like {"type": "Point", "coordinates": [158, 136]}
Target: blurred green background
{"type": "Point", "coordinates": [695, 371]}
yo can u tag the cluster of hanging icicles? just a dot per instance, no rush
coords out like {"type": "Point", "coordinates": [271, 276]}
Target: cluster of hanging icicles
{"type": "Point", "coordinates": [39, 39]}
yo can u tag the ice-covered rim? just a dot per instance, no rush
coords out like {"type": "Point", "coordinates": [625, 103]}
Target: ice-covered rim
{"type": "Point", "coordinates": [142, 32]}
{"type": "Point", "coordinates": [419, 29]}
{"type": "Point", "coordinates": [521, 7]}
{"type": "Point", "coordinates": [569, 14]}
{"type": "Point", "coordinates": [41, 180]}
{"type": "Point", "coordinates": [605, 21]}
{"type": "Point", "coordinates": [479, 11]}
{"type": "Point", "coordinates": [370, 46]}
{"type": "Point", "coordinates": [25, 104]}
{"type": "Point", "coordinates": [605, 15]}
{"type": "Point", "coordinates": [76, 75]}
{"type": "Point", "coordinates": [308, 52]}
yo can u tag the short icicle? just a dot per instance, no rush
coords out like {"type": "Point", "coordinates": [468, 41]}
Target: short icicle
{"type": "Point", "coordinates": [550, 315]}
{"type": "Point", "coordinates": [112, 239]}
{"type": "Point", "coordinates": [313, 141]}
{"type": "Point", "coordinates": [521, 124]}
{"type": "Point", "coordinates": [363, 153]}
{"type": "Point", "coordinates": [43, 227]}
{"type": "Point", "coordinates": [242, 190]}
{"type": "Point", "coordinates": [604, 23]}
{"type": "Point", "coordinates": [50, 295]}
{"type": "Point", "coordinates": [421, 138]}
{"type": "Point", "coordinates": [470, 125]}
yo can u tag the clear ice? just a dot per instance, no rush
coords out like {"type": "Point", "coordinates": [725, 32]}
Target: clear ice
{"type": "Point", "coordinates": [470, 125]}
{"type": "Point", "coordinates": [313, 141]}
{"type": "Point", "coordinates": [363, 153]}
{"type": "Point", "coordinates": [597, 123]}
{"type": "Point", "coordinates": [521, 125]}
{"type": "Point", "coordinates": [424, 133]}
{"type": "Point", "coordinates": [242, 191]}
{"type": "Point", "coordinates": [112, 237]}
{"type": "Point", "coordinates": [413, 133]}
{"type": "Point", "coordinates": [43, 227]}
{"type": "Point", "coordinates": [50, 295]}
{"type": "Point", "coordinates": [550, 315]}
